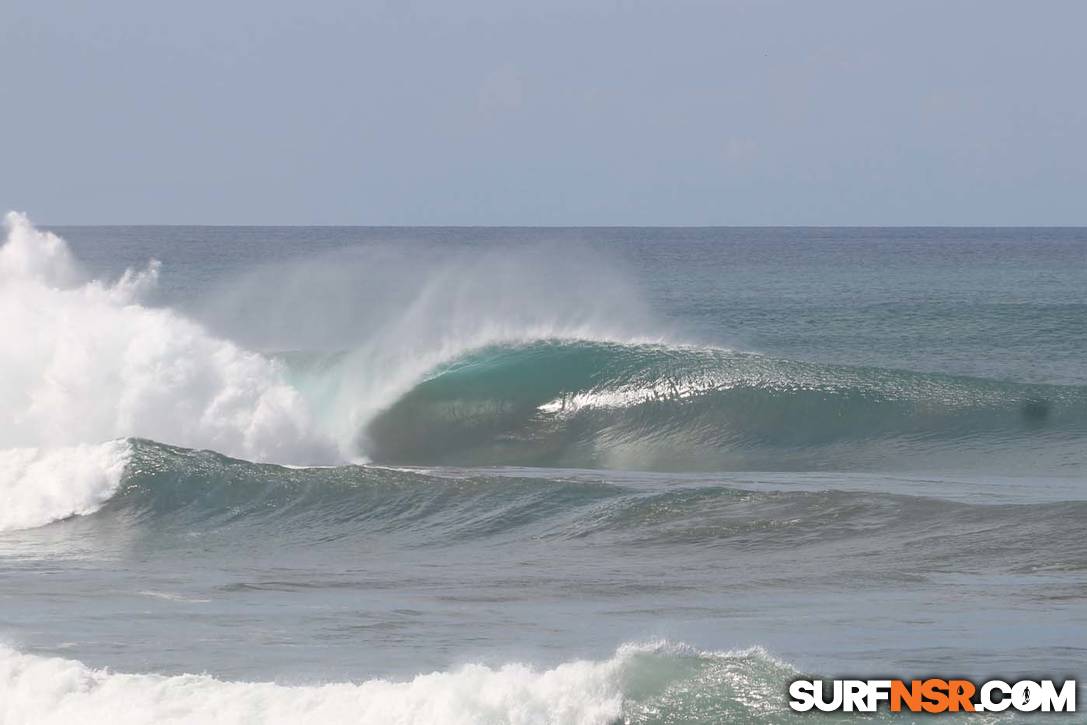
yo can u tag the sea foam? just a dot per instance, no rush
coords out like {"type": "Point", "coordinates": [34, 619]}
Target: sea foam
{"type": "Point", "coordinates": [641, 683]}
{"type": "Point", "coordinates": [38, 486]}
{"type": "Point", "coordinates": [53, 690]}
{"type": "Point", "coordinates": [87, 361]}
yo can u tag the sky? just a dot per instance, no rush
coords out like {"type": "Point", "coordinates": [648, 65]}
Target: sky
{"type": "Point", "coordinates": [554, 112]}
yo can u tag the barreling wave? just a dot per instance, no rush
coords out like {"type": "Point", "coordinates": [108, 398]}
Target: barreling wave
{"type": "Point", "coordinates": [88, 360]}
{"type": "Point", "coordinates": [585, 403]}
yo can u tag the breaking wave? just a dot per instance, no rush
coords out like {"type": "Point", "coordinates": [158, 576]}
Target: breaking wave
{"type": "Point", "coordinates": [680, 407]}
{"type": "Point", "coordinates": [642, 683]}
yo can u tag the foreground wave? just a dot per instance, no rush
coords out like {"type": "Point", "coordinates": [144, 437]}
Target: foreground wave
{"type": "Point", "coordinates": [179, 494]}
{"type": "Point", "coordinates": [642, 683]}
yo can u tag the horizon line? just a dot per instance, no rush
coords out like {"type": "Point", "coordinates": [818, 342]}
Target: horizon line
{"type": "Point", "coordinates": [575, 226]}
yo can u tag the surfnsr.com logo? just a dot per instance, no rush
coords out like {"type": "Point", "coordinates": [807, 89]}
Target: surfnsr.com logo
{"type": "Point", "coordinates": [932, 695]}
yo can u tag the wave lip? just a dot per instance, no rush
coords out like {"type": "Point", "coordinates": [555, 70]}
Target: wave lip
{"type": "Point", "coordinates": [640, 683]}
{"type": "Point", "coordinates": [39, 486]}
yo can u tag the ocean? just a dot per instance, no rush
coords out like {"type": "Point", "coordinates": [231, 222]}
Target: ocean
{"type": "Point", "coordinates": [533, 475]}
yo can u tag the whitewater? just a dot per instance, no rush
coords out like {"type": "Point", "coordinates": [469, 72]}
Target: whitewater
{"type": "Point", "coordinates": [324, 475]}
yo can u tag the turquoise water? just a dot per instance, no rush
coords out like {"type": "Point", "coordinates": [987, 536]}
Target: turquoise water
{"type": "Point", "coordinates": [611, 474]}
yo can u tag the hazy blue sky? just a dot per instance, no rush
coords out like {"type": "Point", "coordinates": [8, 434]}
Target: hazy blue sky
{"type": "Point", "coordinates": [549, 112]}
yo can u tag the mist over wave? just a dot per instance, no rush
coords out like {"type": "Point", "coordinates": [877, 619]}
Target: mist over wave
{"type": "Point", "coordinates": [363, 327]}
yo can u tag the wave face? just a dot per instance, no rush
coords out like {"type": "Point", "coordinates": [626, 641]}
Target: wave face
{"type": "Point", "coordinates": [654, 406]}
{"type": "Point", "coordinates": [640, 684]}
{"type": "Point", "coordinates": [179, 493]}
